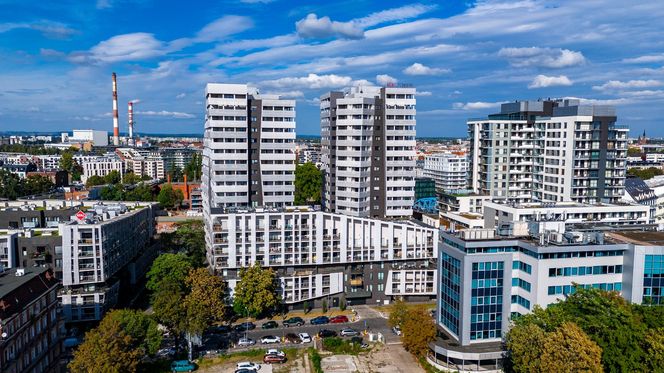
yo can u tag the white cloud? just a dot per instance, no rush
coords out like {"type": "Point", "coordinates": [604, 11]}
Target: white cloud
{"type": "Point", "coordinates": [423, 93]}
{"type": "Point", "coordinates": [542, 57]}
{"type": "Point", "coordinates": [311, 81]}
{"type": "Point", "coordinates": [127, 47]}
{"type": "Point", "coordinates": [384, 79]}
{"type": "Point", "coordinates": [256, 1]}
{"type": "Point", "coordinates": [181, 95]}
{"type": "Point", "coordinates": [224, 27]}
{"type": "Point", "coordinates": [593, 101]}
{"type": "Point", "coordinates": [419, 69]}
{"type": "Point", "coordinates": [646, 59]}
{"type": "Point", "coordinates": [135, 101]}
{"type": "Point", "coordinates": [49, 29]}
{"type": "Point", "coordinates": [478, 105]}
{"type": "Point", "coordinates": [313, 27]}
{"type": "Point", "coordinates": [164, 113]}
{"type": "Point", "coordinates": [104, 4]}
{"type": "Point", "coordinates": [620, 85]}
{"type": "Point", "coordinates": [543, 81]}
{"type": "Point", "coordinates": [51, 53]}
{"type": "Point", "coordinates": [287, 94]}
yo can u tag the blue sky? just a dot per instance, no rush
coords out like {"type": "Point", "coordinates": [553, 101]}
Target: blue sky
{"type": "Point", "coordinates": [465, 58]}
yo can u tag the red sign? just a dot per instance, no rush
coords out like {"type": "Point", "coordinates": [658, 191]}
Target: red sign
{"type": "Point", "coordinates": [80, 215]}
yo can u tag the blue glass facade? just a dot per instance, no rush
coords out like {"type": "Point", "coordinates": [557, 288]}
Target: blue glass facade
{"type": "Point", "coordinates": [450, 290]}
{"type": "Point", "coordinates": [486, 311]}
{"type": "Point", "coordinates": [653, 279]}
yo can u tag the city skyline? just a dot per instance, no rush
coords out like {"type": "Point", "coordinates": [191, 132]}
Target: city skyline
{"type": "Point", "coordinates": [464, 60]}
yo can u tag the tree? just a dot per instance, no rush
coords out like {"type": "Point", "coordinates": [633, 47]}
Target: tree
{"type": "Point", "coordinates": [324, 305]}
{"type": "Point", "coordinates": [188, 238]}
{"type": "Point", "coordinates": [256, 291]}
{"type": "Point", "coordinates": [95, 180]}
{"type": "Point", "coordinates": [305, 306]}
{"type": "Point", "coordinates": [142, 328]}
{"type": "Point", "coordinates": [524, 344]}
{"type": "Point", "coordinates": [655, 349]}
{"type": "Point", "coordinates": [36, 184]}
{"type": "Point", "coordinates": [205, 301]}
{"type": "Point", "coordinates": [169, 308]}
{"type": "Point", "coordinates": [169, 197]}
{"type": "Point", "coordinates": [168, 268]}
{"type": "Point", "coordinates": [418, 330]}
{"type": "Point", "coordinates": [10, 185]}
{"type": "Point", "coordinates": [113, 177]}
{"type": "Point", "coordinates": [646, 174]}
{"type": "Point", "coordinates": [106, 348]}
{"type": "Point", "coordinates": [69, 164]}
{"type": "Point", "coordinates": [342, 304]}
{"type": "Point", "coordinates": [568, 349]}
{"type": "Point", "coordinates": [308, 184]}
{"type": "Point", "coordinates": [398, 313]}
{"type": "Point", "coordinates": [193, 168]}
{"type": "Point", "coordinates": [633, 152]}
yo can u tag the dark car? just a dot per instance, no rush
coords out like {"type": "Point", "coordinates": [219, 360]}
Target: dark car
{"type": "Point", "coordinates": [219, 329]}
{"type": "Point", "coordinates": [325, 333]}
{"type": "Point", "coordinates": [245, 326]}
{"type": "Point", "coordinates": [272, 359]}
{"type": "Point", "coordinates": [292, 338]}
{"type": "Point", "coordinates": [294, 321]}
{"type": "Point", "coordinates": [338, 319]}
{"type": "Point", "coordinates": [320, 320]}
{"type": "Point", "coordinates": [270, 325]}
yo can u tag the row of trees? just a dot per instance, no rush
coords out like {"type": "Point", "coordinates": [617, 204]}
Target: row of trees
{"type": "Point", "coordinates": [13, 187]}
{"type": "Point", "coordinates": [592, 331]}
{"type": "Point", "coordinates": [114, 177]}
{"type": "Point", "coordinates": [645, 174]}
{"type": "Point", "coordinates": [28, 149]}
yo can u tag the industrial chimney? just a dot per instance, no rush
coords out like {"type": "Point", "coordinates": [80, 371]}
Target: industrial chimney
{"type": "Point", "coordinates": [130, 118]}
{"type": "Point", "coordinates": [116, 124]}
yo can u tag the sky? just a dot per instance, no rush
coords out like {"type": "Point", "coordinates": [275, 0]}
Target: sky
{"type": "Point", "coordinates": [464, 58]}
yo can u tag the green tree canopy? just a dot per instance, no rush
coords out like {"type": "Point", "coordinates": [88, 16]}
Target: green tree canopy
{"type": "Point", "coordinates": [95, 180]}
{"type": "Point", "coordinates": [308, 184]}
{"type": "Point", "coordinates": [397, 313]}
{"type": "Point", "coordinates": [188, 238]}
{"type": "Point", "coordinates": [113, 177]}
{"type": "Point", "coordinates": [13, 187]}
{"type": "Point", "coordinates": [170, 198]}
{"type": "Point", "coordinates": [193, 169]}
{"type": "Point", "coordinates": [645, 174]}
{"type": "Point", "coordinates": [36, 184]}
{"type": "Point", "coordinates": [168, 268]}
{"type": "Point", "coordinates": [107, 348]}
{"type": "Point", "coordinates": [205, 301]}
{"type": "Point", "coordinates": [256, 291]}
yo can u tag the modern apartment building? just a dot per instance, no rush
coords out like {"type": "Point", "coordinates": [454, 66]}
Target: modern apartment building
{"type": "Point", "coordinates": [549, 151]}
{"type": "Point", "coordinates": [30, 323]}
{"type": "Point", "coordinates": [368, 151]}
{"type": "Point", "coordinates": [450, 171]}
{"type": "Point", "coordinates": [142, 163]}
{"type": "Point", "coordinates": [249, 148]}
{"type": "Point", "coordinates": [109, 240]}
{"type": "Point", "coordinates": [321, 255]}
{"type": "Point", "coordinates": [487, 279]}
{"type": "Point", "coordinates": [102, 166]}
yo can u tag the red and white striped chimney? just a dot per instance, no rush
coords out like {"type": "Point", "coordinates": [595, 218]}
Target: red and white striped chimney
{"type": "Point", "coordinates": [116, 124]}
{"type": "Point", "coordinates": [130, 118]}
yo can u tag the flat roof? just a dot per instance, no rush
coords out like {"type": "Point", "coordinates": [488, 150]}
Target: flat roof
{"type": "Point", "coordinates": [9, 282]}
{"type": "Point", "coordinates": [646, 238]}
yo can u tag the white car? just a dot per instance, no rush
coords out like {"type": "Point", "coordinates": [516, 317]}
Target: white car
{"type": "Point", "coordinates": [274, 351]}
{"type": "Point", "coordinates": [304, 337]}
{"type": "Point", "coordinates": [246, 342]}
{"type": "Point", "coordinates": [270, 339]}
{"type": "Point", "coordinates": [348, 332]}
{"type": "Point", "coordinates": [248, 365]}
{"type": "Point", "coordinates": [396, 330]}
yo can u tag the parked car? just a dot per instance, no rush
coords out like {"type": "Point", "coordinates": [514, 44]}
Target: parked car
{"type": "Point", "coordinates": [320, 320]}
{"type": "Point", "coordinates": [166, 352]}
{"type": "Point", "coordinates": [294, 321]}
{"type": "Point", "coordinates": [272, 359]}
{"type": "Point", "coordinates": [245, 326]}
{"type": "Point", "coordinates": [270, 339]}
{"type": "Point", "coordinates": [274, 351]}
{"type": "Point", "coordinates": [348, 332]}
{"type": "Point", "coordinates": [339, 319]}
{"type": "Point", "coordinates": [270, 325]}
{"type": "Point", "coordinates": [248, 365]}
{"type": "Point", "coordinates": [292, 338]}
{"type": "Point", "coordinates": [325, 333]}
{"type": "Point", "coordinates": [304, 337]}
{"type": "Point", "coordinates": [182, 366]}
{"type": "Point", "coordinates": [396, 330]}
{"type": "Point", "coordinates": [243, 342]}
{"type": "Point", "coordinates": [244, 370]}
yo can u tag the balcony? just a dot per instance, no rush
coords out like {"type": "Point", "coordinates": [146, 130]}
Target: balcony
{"type": "Point", "coordinates": [361, 293]}
{"type": "Point", "coordinates": [358, 281]}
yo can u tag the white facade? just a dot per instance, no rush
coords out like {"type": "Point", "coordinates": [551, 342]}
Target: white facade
{"type": "Point", "coordinates": [97, 138]}
{"type": "Point", "coordinates": [8, 250]}
{"type": "Point", "coordinates": [295, 242]}
{"type": "Point", "coordinates": [449, 171]}
{"type": "Point", "coordinates": [101, 166]}
{"type": "Point", "coordinates": [368, 151]}
{"type": "Point", "coordinates": [549, 151]}
{"type": "Point", "coordinates": [249, 148]}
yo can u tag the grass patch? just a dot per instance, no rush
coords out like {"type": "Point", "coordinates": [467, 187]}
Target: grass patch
{"type": "Point", "coordinates": [340, 346]}
{"type": "Point", "coordinates": [249, 354]}
{"type": "Point", "coordinates": [315, 358]}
